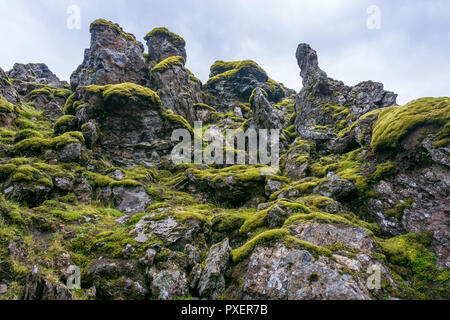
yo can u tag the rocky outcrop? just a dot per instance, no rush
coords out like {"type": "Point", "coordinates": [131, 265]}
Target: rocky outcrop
{"type": "Point", "coordinates": [265, 116]}
{"type": "Point", "coordinates": [231, 83]}
{"type": "Point", "coordinates": [113, 57]}
{"type": "Point", "coordinates": [35, 73]}
{"type": "Point", "coordinates": [6, 89]}
{"type": "Point", "coordinates": [325, 106]}
{"type": "Point", "coordinates": [163, 44]}
{"type": "Point", "coordinates": [174, 85]}
{"type": "Point", "coordinates": [134, 126]}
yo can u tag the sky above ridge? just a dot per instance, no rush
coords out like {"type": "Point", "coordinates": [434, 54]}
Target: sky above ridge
{"type": "Point", "coordinates": [406, 47]}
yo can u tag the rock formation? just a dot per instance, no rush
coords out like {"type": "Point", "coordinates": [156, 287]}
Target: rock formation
{"type": "Point", "coordinates": [86, 180]}
{"type": "Point", "coordinates": [114, 57]}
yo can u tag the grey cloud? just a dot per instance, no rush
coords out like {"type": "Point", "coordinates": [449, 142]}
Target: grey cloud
{"type": "Point", "coordinates": [409, 54]}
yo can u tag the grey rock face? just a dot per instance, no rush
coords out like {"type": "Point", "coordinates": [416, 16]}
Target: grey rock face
{"type": "Point", "coordinates": [131, 199]}
{"type": "Point", "coordinates": [132, 129]}
{"type": "Point", "coordinates": [90, 133]}
{"type": "Point", "coordinates": [113, 57]}
{"type": "Point", "coordinates": [174, 234]}
{"type": "Point", "coordinates": [229, 90]}
{"type": "Point", "coordinates": [6, 89]}
{"type": "Point", "coordinates": [32, 195]}
{"type": "Point", "coordinates": [176, 90]}
{"type": "Point", "coordinates": [169, 284]}
{"type": "Point", "coordinates": [36, 73]}
{"type": "Point", "coordinates": [336, 188]}
{"type": "Point", "coordinates": [280, 273]}
{"type": "Point", "coordinates": [70, 153]}
{"type": "Point", "coordinates": [416, 201]}
{"type": "Point", "coordinates": [325, 104]}
{"type": "Point", "coordinates": [43, 289]}
{"type": "Point", "coordinates": [212, 281]}
{"type": "Point", "coordinates": [163, 44]}
{"type": "Point", "coordinates": [265, 116]}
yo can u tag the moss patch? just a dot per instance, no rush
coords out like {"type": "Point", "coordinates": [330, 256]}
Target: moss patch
{"type": "Point", "coordinates": [164, 32]}
{"type": "Point", "coordinates": [168, 63]}
{"type": "Point", "coordinates": [394, 123]}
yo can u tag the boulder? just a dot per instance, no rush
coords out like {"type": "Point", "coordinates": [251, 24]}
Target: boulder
{"type": "Point", "coordinates": [212, 281]}
{"type": "Point", "coordinates": [131, 199]}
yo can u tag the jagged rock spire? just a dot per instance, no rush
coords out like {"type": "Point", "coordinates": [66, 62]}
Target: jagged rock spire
{"type": "Point", "coordinates": [326, 106]}
{"type": "Point", "coordinates": [113, 57]}
{"type": "Point", "coordinates": [163, 44]}
{"type": "Point", "coordinates": [307, 61]}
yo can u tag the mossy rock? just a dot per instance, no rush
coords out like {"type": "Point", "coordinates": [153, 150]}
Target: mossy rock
{"type": "Point", "coordinates": [5, 106]}
{"type": "Point", "coordinates": [113, 26]}
{"type": "Point", "coordinates": [394, 123]}
{"type": "Point", "coordinates": [66, 123]}
{"type": "Point", "coordinates": [168, 63]}
{"type": "Point", "coordinates": [37, 145]}
{"type": "Point", "coordinates": [164, 32]}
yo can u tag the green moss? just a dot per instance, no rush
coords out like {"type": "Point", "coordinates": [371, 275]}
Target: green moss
{"type": "Point", "coordinates": [98, 180]}
{"type": "Point", "coordinates": [415, 263]}
{"type": "Point", "coordinates": [6, 170]}
{"type": "Point", "coordinates": [51, 92]}
{"type": "Point", "coordinates": [37, 145]}
{"type": "Point", "coordinates": [164, 32]}
{"type": "Point", "coordinates": [241, 253]}
{"type": "Point", "coordinates": [193, 78]}
{"type": "Point", "coordinates": [64, 121]}
{"type": "Point", "coordinates": [26, 134]}
{"type": "Point", "coordinates": [316, 251]}
{"type": "Point", "coordinates": [328, 218]}
{"type": "Point", "coordinates": [313, 277]}
{"type": "Point", "coordinates": [168, 63]}
{"type": "Point", "coordinates": [114, 26]}
{"type": "Point", "coordinates": [204, 106]}
{"type": "Point", "coordinates": [127, 90]}
{"type": "Point", "coordinates": [28, 174]}
{"type": "Point", "coordinates": [125, 183]}
{"type": "Point", "coordinates": [33, 145]}
{"type": "Point", "coordinates": [69, 105]}
{"type": "Point", "coordinates": [227, 70]}
{"type": "Point", "coordinates": [239, 172]}
{"type": "Point", "coordinates": [175, 118]}
{"type": "Point", "coordinates": [183, 216]}
{"type": "Point", "coordinates": [5, 106]}
{"type": "Point", "coordinates": [273, 87]}
{"type": "Point", "coordinates": [397, 212]}
{"type": "Point", "coordinates": [443, 137]}
{"type": "Point", "coordinates": [394, 123]}
{"type": "Point", "coordinates": [317, 201]}
{"type": "Point", "coordinates": [303, 186]}
{"type": "Point", "coordinates": [250, 100]}
{"type": "Point", "coordinates": [259, 218]}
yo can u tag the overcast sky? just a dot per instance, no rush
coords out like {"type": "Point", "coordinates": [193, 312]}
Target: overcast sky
{"type": "Point", "coordinates": [409, 53]}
